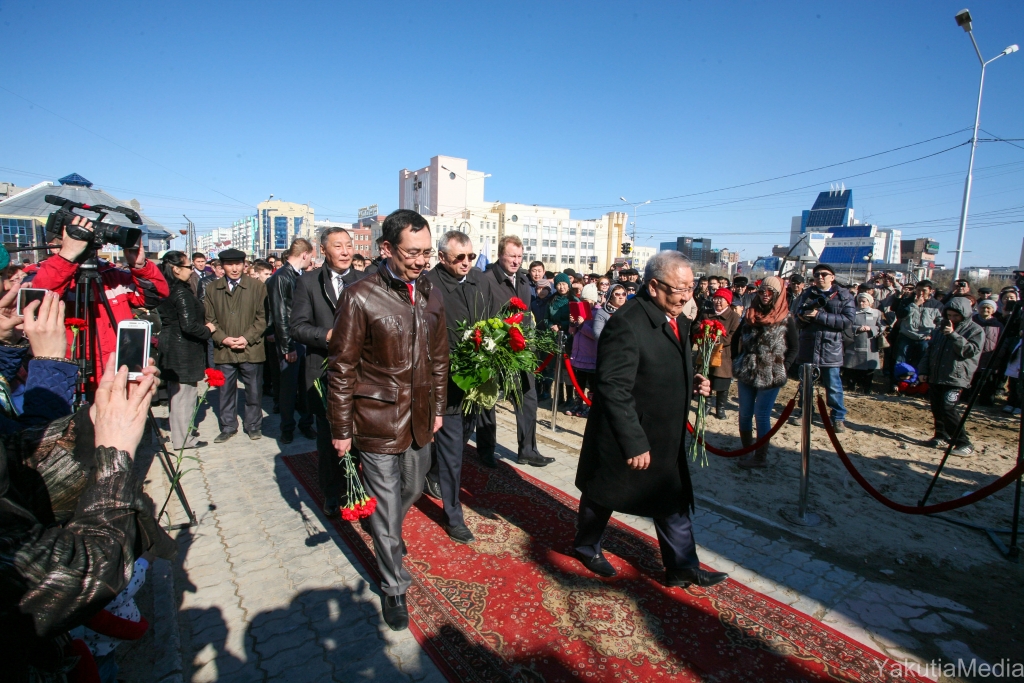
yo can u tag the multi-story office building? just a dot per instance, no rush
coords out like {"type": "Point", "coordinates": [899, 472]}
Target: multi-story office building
{"type": "Point", "coordinates": [697, 249]}
{"type": "Point", "coordinates": [830, 233]}
{"type": "Point", "coordinates": [280, 222]}
{"type": "Point", "coordinates": [215, 241]}
{"type": "Point", "coordinates": [245, 233]}
{"type": "Point", "coordinates": [451, 197]}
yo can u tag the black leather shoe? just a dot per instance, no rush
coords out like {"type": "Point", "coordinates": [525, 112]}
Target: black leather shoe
{"type": "Point", "coordinates": [535, 460]}
{"type": "Point", "coordinates": [405, 551]}
{"type": "Point", "coordinates": [460, 533]}
{"type": "Point", "coordinates": [599, 564]}
{"type": "Point", "coordinates": [332, 508]}
{"type": "Point", "coordinates": [196, 444]}
{"type": "Point", "coordinates": [223, 436]}
{"type": "Point", "coordinates": [287, 437]}
{"type": "Point", "coordinates": [255, 434]}
{"type": "Point", "coordinates": [488, 460]}
{"type": "Point", "coordinates": [308, 433]}
{"type": "Point", "coordinates": [432, 488]}
{"type": "Point", "coordinates": [396, 612]}
{"type": "Point", "coordinates": [702, 577]}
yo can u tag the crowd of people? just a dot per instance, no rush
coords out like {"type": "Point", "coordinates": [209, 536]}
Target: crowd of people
{"type": "Point", "coordinates": [355, 355]}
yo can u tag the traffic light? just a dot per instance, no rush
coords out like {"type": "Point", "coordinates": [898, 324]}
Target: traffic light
{"type": "Point", "coordinates": [627, 248]}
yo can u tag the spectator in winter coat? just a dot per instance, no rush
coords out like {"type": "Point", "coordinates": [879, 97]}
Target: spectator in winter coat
{"type": "Point", "coordinates": [952, 360]}
{"type": "Point", "coordinates": [721, 374]}
{"type": "Point", "coordinates": [823, 312]}
{"type": "Point", "coordinates": [917, 326]}
{"type": "Point", "coordinates": [539, 305]}
{"type": "Point", "coordinates": [763, 350]}
{"type": "Point", "coordinates": [986, 320]}
{"type": "Point", "coordinates": [861, 358]}
{"type": "Point", "coordinates": [615, 300]}
{"type": "Point", "coordinates": [584, 352]}
{"type": "Point", "coordinates": [557, 318]}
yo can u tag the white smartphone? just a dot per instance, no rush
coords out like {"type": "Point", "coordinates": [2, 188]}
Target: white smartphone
{"type": "Point", "coordinates": [28, 295]}
{"type": "Point", "coordinates": [133, 347]}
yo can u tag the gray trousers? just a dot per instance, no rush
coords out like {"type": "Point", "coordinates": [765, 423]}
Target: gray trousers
{"type": "Point", "coordinates": [182, 399]}
{"type": "Point", "coordinates": [396, 481]}
{"type": "Point", "coordinates": [252, 375]}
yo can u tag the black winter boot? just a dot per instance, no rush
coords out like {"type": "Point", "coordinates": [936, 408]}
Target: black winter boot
{"type": "Point", "coordinates": [720, 398]}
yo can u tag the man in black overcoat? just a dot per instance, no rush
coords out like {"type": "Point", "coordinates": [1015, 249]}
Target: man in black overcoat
{"type": "Point", "coordinates": [633, 458]}
{"type": "Point", "coordinates": [467, 299]}
{"type": "Point", "coordinates": [312, 323]}
{"type": "Point", "coordinates": [509, 280]}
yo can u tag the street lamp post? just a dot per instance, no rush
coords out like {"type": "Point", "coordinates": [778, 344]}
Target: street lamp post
{"type": "Point", "coordinates": [963, 20]}
{"type": "Point", "coordinates": [634, 214]}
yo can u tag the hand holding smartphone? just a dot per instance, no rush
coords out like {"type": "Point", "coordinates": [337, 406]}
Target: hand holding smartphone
{"type": "Point", "coordinates": [133, 347]}
{"type": "Point", "coordinates": [27, 295]}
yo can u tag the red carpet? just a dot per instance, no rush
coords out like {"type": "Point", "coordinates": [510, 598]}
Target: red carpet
{"type": "Point", "coordinates": [514, 606]}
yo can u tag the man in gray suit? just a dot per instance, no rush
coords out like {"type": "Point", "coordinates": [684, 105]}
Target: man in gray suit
{"type": "Point", "coordinates": [312, 318]}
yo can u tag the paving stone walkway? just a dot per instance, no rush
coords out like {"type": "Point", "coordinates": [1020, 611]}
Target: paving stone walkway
{"type": "Point", "coordinates": [267, 591]}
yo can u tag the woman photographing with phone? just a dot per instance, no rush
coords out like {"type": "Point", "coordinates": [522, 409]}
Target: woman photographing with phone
{"type": "Point", "coordinates": [182, 347]}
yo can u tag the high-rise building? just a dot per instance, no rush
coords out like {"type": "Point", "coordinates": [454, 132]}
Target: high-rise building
{"type": "Point", "coordinates": [280, 222]}
{"type": "Point", "coordinates": [829, 233]}
{"type": "Point", "coordinates": [697, 249]}
{"type": "Point", "coordinates": [451, 197]}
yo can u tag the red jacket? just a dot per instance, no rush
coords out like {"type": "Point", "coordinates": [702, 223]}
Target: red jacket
{"type": "Point", "coordinates": [124, 290]}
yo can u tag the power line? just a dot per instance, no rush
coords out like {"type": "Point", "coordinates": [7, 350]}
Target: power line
{"type": "Point", "coordinates": [120, 146]}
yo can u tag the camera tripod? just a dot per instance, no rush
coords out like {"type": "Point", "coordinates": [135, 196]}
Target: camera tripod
{"type": "Point", "coordinates": [88, 288]}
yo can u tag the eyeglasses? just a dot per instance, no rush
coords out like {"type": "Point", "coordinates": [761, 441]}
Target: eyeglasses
{"type": "Point", "coordinates": [415, 253]}
{"type": "Point", "coordinates": [462, 257]}
{"type": "Point", "coordinates": [676, 290]}
{"type": "Point", "coordinates": [823, 274]}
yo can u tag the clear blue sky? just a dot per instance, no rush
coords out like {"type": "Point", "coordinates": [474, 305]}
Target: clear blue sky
{"type": "Point", "coordinates": [207, 108]}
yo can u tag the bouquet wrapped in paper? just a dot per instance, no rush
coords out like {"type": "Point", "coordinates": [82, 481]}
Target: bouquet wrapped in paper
{"type": "Point", "coordinates": [493, 353]}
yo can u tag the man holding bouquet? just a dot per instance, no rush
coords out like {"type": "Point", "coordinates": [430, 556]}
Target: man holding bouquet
{"type": "Point", "coordinates": [633, 458]}
{"type": "Point", "coordinates": [467, 300]}
{"type": "Point", "coordinates": [387, 378]}
{"type": "Point", "coordinates": [508, 281]}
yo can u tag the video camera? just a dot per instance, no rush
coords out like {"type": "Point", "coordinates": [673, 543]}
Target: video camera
{"type": "Point", "coordinates": [102, 233]}
{"type": "Point", "coordinates": [812, 303]}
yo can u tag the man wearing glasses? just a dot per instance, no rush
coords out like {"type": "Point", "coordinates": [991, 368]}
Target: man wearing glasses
{"type": "Point", "coordinates": [467, 300]}
{"type": "Point", "coordinates": [823, 312]}
{"type": "Point", "coordinates": [387, 378]}
{"type": "Point", "coordinates": [634, 458]}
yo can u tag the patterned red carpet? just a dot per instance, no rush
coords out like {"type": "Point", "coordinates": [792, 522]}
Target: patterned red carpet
{"type": "Point", "coordinates": [513, 606]}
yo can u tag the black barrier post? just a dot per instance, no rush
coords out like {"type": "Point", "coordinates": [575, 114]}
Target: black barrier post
{"type": "Point", "coordinates": [1013, 552]}
{"type": "Point", "coordinates": [556, 389]}
{"type": "Point", "coordinates": [802, 516]}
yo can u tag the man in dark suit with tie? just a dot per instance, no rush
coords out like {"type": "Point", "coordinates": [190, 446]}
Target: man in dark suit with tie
{"type": "Point", "coordinates": [633, 458]}
{"type": "Point", "coordinates": [509, 281]}
{"type": "Point", "coordinates": [312, 322]}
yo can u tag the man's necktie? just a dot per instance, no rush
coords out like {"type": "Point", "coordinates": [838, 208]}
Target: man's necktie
{"type": "Point", "coordinates": [675, 326]}
{"type": "Point", "coordinates": [339, 284]}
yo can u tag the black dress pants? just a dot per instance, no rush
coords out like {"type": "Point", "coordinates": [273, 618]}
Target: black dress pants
{"type": "Point", "coordinates": [675, 535]}
{"type": "Point", "coordinates": [288, 397]}
{"type": "Point", "coordinates": [526, 422]}
{"type": "Point", "coordinates": [446, 466]}
{"type": "Point", "coordinates": [252, 375]}
{"type": "Point", "coordinates": [330, 474]}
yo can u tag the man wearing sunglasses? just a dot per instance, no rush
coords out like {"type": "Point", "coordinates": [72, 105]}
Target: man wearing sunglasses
{"type": "Point", "coordinates": [823, 312]}
{"type": "Point", "coordinates": [467, 300]}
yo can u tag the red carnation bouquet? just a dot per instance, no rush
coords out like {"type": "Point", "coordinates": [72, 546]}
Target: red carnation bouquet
{"type": "Point", "coordinates": [214, 378]}
{"type": "Point", "coordinates": [708, 338]}
{"type": "Point", "coordinates": [357, 504]}
{"type": "Point", "coordinates": [492, 353]}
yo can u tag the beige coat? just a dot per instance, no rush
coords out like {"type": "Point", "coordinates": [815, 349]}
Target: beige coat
{"type": "Point", "coordinates": [239, 313]}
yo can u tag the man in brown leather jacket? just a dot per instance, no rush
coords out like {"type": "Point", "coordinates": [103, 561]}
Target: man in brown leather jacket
{"type": "Point", "coordinates": [387, 377]}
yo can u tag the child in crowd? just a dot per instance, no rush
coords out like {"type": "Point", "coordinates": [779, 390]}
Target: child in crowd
{"type": "Point", "coordinates": [986, 319]}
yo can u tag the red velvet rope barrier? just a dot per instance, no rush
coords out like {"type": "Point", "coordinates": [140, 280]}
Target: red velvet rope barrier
{"type": "Point", "coordinates": [572, 376]}
{"type": "Point", "coordinates": [983, 492]}
{"type": "Point", "coordinates": [543, 366]}
{"type": "Point", "coordinates": [786, 412]}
